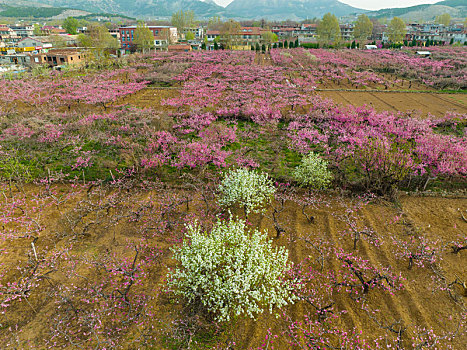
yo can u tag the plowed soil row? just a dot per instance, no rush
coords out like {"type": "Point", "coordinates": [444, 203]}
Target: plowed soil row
{"type": "Point", "coordinates": [419, 303]}
{"type": "Point", "coordinates": [426, 103]}
{"type": "Point", "coordinates": [437, 218]}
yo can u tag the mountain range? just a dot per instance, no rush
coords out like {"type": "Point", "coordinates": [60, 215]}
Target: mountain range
{"type": "Point", "coordinates": [456, 8]}
{"type": "Point", "coordinates": [288, 9]}
{"type": "Point", "coordinates": [245, 9]}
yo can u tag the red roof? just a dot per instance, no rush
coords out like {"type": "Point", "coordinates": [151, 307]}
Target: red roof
{"type": "Point", "coordinates": [179, 48]}
{"type": "Point", "coordinates": [284, 30]}
{"type": "Point", "coordinates": [250, 31]}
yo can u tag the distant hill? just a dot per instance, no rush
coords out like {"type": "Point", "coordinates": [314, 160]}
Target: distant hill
{"type": "Point", "coordinates": [238, 9]}
{"type": "Point", "coordinates": [33, 9]}
{"type": "Point", "coordinates": [136, 8]}
{"type": "Point", "coordinates": [427, 12]}
{"type": "Point", "coordinates": [30, 11]}
{"type": "Point", "coordinates": [287, 9]}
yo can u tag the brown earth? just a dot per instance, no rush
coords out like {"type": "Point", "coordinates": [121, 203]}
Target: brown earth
{"type": "Point", "coordinates": [419, 303]}
{"type": "Point", "coordinates": [408, 102]}
{"type": "Point", "coordinates": [425, 103]}
{"type": "Point", "coordinates": [393, 84]}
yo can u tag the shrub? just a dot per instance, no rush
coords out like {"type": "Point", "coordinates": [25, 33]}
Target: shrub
{"type": "Point", "coordinates": [382, 165]}
{"type": "Point", "coordinates": [246, 188]}
{"type": "Point", "coordinates": [313, 172]}
{"type": "Point", "coordinates": [229, 272]}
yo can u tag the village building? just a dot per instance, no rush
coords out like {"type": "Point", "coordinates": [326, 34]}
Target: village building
{"type": "Point", "coordinates": [163, 36]}
{"type": "Point", "coordinates": [59, 57]}
{"type": "Point", "coordinates": [179, 48]}
{"type": "Point", "coordinates": [211, 35]}
{"type": "Point", "coordinates": [53, 30]}
{"type": "Point", "coordinates": [23, 31]}
{"type": "Point", "coordinates": [49, 41]}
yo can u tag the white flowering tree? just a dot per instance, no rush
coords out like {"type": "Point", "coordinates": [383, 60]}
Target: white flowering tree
{"type": "Point", "coordinates": [313, 172]}
{"type": "Point", "coordinates": [230, 272]}
{"type": "Point", "coordinates": [246, 188]}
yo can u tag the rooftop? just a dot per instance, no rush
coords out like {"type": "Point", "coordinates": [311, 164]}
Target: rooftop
{"type": "Point", "coordinates": [150, 27]}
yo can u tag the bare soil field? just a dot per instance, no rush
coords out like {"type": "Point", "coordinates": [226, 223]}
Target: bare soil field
{"type": "Point", "coordinates": [437, 104]}
{"type": "Point", "coordinates": [427, 103]}
{"type": "Point", "coordinates": [420, 303]}
{"type": "Point", "coordinates": [394, 84]}
{"type": "Point", "coordinates": [417, 304]}
{"type": "Point", "coordinates": [411, 102]}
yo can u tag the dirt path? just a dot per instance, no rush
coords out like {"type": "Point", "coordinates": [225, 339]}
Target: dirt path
{"type": "Point", "coordinates": [263, 59]}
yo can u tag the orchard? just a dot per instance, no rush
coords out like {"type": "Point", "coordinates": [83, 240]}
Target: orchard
{"type": "Point", "coordinates": [201, 200]}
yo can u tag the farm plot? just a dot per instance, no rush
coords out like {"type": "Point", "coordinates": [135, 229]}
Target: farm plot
{"type": "Point", "coordinates": [85, 257]}
{"type": "Point", "coordinates": [106, 175]}
{"type": "Point", "coordinates": [425, 103]}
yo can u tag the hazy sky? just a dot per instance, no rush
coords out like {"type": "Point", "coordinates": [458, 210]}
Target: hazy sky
{"type": "Point", "coordinates": [368, 4]}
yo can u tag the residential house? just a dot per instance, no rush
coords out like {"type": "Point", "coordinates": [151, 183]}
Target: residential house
{"type": "Point", "coordinates": [436, 32]}
{"type": "Point", "coordinates": [115, 33]}
{"type": "Point", "coordinates": [285, 32]}
{"type": "Point", "coordinates": [8, 35]}
{"type": "Point", "coordinates": [48, 30]}
{"type": "Point", "coordinates": [49, 41]}
{"type": "Point", "coordinates": [211, 35]}
{"type": "Point", "coordinates": [198, 32]}
{"type": "Point", "coordinates": [59, 57]}
{"type": "Point", "coordinates": [250, 36]}
{"type": "Point", "coordinates": [15, 59]}
{"type": "Point", "coordinates": [36, 41]}
{"type": "Point", "coordinates": [23, 30]}
{"type": "Point", "coordinates": [309, 29]}
{"type": "Point", "coordinates": [347, 31]}
{"type": "Point", "coordinates": [163, 36]}
{"type": "Point", "coordinates": [308, 33]}
{"type": "Point", "coordinates": [179, 48]}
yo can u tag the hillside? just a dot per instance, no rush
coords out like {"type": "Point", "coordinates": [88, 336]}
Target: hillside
{"type": "Point", "coordinates": [138, 8]}
{"type": "Point", "coordinates": [240, 9]}
{"type": "Point", "coordinates": [430, 13]}
{"type": "Point", "coordinates": [284, 9]}
{"type": "Point", "coordinates": [426, 12]}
